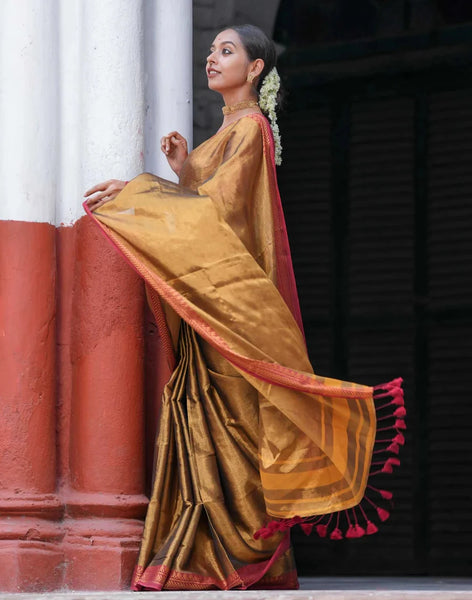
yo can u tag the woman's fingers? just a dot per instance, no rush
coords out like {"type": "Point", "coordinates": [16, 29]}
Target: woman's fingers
{"type": "Point", "coordinates": [178, 139]}
{"type": "Point", "coordinates": [176, 135]}
{"type": "Point", "coordinates": [103, 192]}
{"type": "Point", "coordinates": [92, 200]}
{"type": "Point", "coordinates": [95, 202]}
{"type": "Point", "coordinates": [171, 141]}
{"type": "Point", "coordinates": [102, 202]}
{"type": "Point", "coordinates": [97, 197]}
{"type": "Point", "coordinates": [97, 188]}
{"type": "Point", "coordinates": [164, 144]}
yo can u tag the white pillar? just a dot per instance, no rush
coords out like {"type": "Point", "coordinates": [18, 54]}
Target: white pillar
{"type": "Point", "coordinates": [111, 91]}
{"type": "Point", "coordinates": [28, 110]}
{"type": "Point", "coordinates": [168, 69]}
{"type": "Point", "coordinates": [70, 186]}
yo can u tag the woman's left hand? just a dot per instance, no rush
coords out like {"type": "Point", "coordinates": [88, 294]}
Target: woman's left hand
{"type": "Point", "coordinates": [103, 192]}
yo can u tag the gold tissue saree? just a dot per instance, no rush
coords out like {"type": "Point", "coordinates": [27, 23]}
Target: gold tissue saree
{"type": "Point", "coordinates": [247, 430]}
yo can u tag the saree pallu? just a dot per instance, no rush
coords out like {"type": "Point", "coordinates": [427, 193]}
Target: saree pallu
{"type": "Point", "coordinates": [247, 430]}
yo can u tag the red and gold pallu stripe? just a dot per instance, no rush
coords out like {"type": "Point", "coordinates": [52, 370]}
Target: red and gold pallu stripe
{"type": "Point", "coordinates": [373, 508]}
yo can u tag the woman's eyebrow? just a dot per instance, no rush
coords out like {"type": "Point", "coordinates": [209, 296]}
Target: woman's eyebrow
{"type": "Point", "coordinates": [222, 43]}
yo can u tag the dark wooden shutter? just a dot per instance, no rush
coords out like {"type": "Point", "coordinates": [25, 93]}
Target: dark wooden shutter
{"type": "Point", "coordinates": [372, 182]}
{"type": "Point", "coordinates": [450, 288]}
{"type": "Point", "coordinates": [307, 174]}
{"type": "Point", "coordinates": [380, 339]}
{"type": "Point", "coordinates": [377, 189]}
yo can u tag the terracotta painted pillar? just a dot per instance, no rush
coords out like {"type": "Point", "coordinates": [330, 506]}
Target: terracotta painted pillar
{"type": "Point", "coordinates": [30, 510]}
{"type": "Point", "coordinates": [104, 497]}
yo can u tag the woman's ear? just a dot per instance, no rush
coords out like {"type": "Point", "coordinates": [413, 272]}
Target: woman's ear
{"type": "Point", "coordinates": [256, 69]}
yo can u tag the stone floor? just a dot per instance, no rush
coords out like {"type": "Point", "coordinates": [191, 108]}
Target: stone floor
{"type": "Point", "coordinates": [311, 589]}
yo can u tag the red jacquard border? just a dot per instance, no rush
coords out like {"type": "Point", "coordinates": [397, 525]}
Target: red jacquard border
{"type": "Point", "coordinates": [161, 577]}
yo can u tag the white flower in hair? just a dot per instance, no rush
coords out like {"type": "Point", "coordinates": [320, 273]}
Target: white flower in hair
{"type": "Point", "coordinates": [268, 102]}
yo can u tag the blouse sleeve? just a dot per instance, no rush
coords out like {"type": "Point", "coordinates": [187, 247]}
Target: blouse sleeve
{"type": "Point", "coordinates": [232, 183]}
{"type": "Point", "coordinates": [241, 191]}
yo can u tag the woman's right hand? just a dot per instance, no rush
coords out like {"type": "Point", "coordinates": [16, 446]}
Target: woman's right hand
{"type": "Point", "coordinates": [175, 148]}
{"type": "Point", "coordinates": [103, 192]}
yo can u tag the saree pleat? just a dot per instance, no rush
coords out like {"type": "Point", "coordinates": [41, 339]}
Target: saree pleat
{"type": "Point", "coordinates": [207, 490]}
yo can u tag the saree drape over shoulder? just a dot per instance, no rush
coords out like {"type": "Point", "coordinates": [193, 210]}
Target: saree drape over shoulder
{"type": "Point", "coordinates": [248, 432]}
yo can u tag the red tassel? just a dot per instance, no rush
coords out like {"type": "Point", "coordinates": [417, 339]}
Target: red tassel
{"type": "Point", "coordinates": [360, 531]}
{"type": "Point", "coordinates": [307, 528]}
{"type": "Point", "coordinates": [394, 448]}
{"type": "Point", "coordinates": [389, 464]}
{"type": "Point", "coordinates": [336, 534]}
{"type": "Point", "coordinates": [371, 528]}
{"type": "Point", "coordinates": [400, 412]}
{"type": "Point", "coordinates": [400, 424]}
{"type": "Point", "coordinates": [322, 530]}
{"type": "Point", "coordinates": [396, 402]}
{"type": "Point", "coordinates": [383, 514]}
{"type": "Point", "coordinates": [350, 533]}
{"type": "Point", "coordinates": [391, 385]}
{"type": "Point", "coordinates": [355, 531]}
{"type": "Point", "coordinates": [399, 439]}
{"type": "Point", "coordinates": [384, 493]}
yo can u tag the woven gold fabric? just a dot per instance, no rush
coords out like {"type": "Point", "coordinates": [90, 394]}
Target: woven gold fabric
{"type": "Point", "coordinates": [247, 429]}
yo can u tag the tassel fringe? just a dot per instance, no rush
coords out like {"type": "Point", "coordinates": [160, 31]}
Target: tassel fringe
{"type": "Point", "coordinates": [364, 518]}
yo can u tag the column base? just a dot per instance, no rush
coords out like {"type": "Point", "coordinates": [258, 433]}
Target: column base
{"type": "Point", "coordinates": [31, 557]}
{"type": "Point", "coordinates": [100, 554]}
{"type": "Point", "coordinates": [94, 548]}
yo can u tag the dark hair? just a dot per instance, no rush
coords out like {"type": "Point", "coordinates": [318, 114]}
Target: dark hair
{"type": "Point", "coordinates": [258, 45]}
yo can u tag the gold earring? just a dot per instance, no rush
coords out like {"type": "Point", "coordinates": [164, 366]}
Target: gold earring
{"type": "Point", "coordinates": [250, 77]}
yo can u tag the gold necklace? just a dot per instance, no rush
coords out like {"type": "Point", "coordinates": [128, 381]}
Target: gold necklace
{"type": "Point", "coordinates": [250, 103]}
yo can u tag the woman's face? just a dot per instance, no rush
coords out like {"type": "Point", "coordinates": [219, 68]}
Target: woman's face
{"type": "Point", "coordinates": [228, 64]}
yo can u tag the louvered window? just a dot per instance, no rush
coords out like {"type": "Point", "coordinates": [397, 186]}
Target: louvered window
{"type": "Point", "coordinates": [377, 189]}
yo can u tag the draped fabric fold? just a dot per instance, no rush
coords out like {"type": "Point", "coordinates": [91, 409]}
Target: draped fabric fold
{"type": "Point", "coordinates": [247, 429]}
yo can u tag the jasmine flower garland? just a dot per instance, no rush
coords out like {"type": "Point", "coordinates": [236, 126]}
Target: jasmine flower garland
{"type": "Point", "coordinates": [268, 102]}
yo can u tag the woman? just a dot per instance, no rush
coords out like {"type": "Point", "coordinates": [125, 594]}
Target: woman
{"type": "Point", "coordinates": [247, 431]}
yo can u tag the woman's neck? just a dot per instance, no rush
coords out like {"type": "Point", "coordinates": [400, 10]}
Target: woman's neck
{"type": "Point", "coordinates": [236, 96]}
{"type": "Point", "coordinates": [237, 106]}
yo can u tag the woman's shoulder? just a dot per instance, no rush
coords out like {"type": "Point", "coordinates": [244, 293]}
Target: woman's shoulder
{"type": "Point", "coordinates": [252, 129]}
{"type": "Point", "coordinates": [261, 124]}
{"type": "Point", "coordinates": [251, 123]}
{"type": "Point", "coordinates": [248, 127]}
{"type": "Point", "coordinates": [259, 118]}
